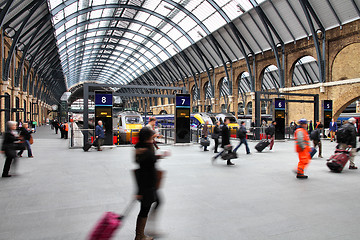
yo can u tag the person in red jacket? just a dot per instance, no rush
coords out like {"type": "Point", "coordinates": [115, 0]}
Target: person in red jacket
{"type": "Point", "coordinates": [302, 142]}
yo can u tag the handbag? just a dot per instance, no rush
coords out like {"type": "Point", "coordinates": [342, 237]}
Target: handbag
{"type": "Point", "coordinates": [214, 135]}
{"type": "Point", "coordinates": [31, 141]}
{"type": "Point", "coordinates": [205, 142]}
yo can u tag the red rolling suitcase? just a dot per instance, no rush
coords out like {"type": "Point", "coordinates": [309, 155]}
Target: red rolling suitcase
{"type": "Point", "coordinates": [337, 162]}
{"type": "Point", "coordinates": [108, 224]}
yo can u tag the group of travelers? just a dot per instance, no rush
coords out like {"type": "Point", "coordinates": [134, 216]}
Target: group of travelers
{"type": "Point", "coordinates": [346, 139]}
{"type": "Point", "coordinates": [304, 133]}
{"type": "Point", "coordinates": [224, 133]}
{"type": "Point", "coordinates": [17, 137]}
{"type": "Point", "coordinates": [63, 127]}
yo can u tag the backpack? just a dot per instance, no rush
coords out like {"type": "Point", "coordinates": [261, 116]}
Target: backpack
{"type": "Point", "coordinates": [314, 135]}
{"type": "Point", "coordinates": [267, 131]}
{"type": "Point", "coordinates": [342, 135]}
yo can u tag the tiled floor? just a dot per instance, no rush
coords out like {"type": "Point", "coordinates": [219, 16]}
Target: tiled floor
{"type": "Point", "coordinates": [61, 193]}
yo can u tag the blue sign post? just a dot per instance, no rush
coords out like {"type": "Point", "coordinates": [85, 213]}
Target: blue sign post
{"type": "Point", "coordinates": [182, 118]}
{"type": "Point", "coordinates": [327, 114]}
{"type": "Point", "coordinates": [103, 112]}
{"type": "Point", "coordinates": [279, 117]}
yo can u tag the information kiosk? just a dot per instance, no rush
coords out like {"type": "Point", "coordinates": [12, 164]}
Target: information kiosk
{"type": "Point", "coordinates": [182, 118]}
{"type": "Point", "coordinates": [327, 106]}
{"type": "Point", "coordinates": [103, 112]}
{"type": "Point", "coordinates": [279, 117]}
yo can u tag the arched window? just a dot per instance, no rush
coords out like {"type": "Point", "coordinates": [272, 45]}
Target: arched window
{"type": "Point", "coordinates": [270, 79]}
{"type": "Point", "coordinates": [306, 71]}
{"type": "Point", "coordinates": [249, 108]}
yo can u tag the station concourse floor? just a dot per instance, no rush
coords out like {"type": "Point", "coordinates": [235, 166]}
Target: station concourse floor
{"type": "Point", "coordinates": [61, 194]}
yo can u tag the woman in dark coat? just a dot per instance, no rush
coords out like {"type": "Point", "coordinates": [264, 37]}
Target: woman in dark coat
{"type": "Point", "coordinates": [216, 135]}
{"type": "Point", "coordinates": [9, 147]}
{"type": "Point", "coordinates": [146, 177]}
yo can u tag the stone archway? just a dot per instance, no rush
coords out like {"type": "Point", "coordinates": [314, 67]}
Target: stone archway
{"type": "Point", "coordinates": [346, 63]}
{"type": "Point", "coordinates": [345, 95]}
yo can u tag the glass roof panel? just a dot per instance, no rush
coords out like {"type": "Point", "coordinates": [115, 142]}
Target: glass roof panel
{"type": "Point", "coordinates": [83, 27]}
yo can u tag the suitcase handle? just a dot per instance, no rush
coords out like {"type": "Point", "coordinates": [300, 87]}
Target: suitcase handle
{"type": "Point", "coordinates": [127, 209]}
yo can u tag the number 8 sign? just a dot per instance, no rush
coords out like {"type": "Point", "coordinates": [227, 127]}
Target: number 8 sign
{"type": "Point", "coordinates": [103, 99]}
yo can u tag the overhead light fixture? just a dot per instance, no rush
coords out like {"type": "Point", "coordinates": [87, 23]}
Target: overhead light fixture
{"type": "Point", "coordinates": [168, 8]}
{"type": "Point", "coordinates": [240, 8]}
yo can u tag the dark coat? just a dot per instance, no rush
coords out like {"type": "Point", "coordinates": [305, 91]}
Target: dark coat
{"type": "Point", "coordinates": [271, 130]}
{"type": "Point", "coordinates": [333, 128]}
{"type": "Point", "coordinates": [25, 133]}
{"type": "Point", "coordinates": [99, 131]}
{"type": "Point", "coordinates": [9, 145]}
{"type": "Point", "coordinates": [146, 174]}
{"type": "Point", "coordinates": [225, 136]}
{"type": "Point", "coordinates": [351, 130]}
{"type": "Point", "coordinates": [241, 132]}
{"type": "Point", "coordinates": [205, 131]}
{"type": "Point", "coordinates": [216, 132]}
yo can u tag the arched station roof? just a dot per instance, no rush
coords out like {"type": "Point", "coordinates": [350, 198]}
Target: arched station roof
{"type": "Point", "coordinates": [158, 42]}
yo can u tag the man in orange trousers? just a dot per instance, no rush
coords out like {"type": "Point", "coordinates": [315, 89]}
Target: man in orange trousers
{"type": "Point", "coordinates": [302, 141]}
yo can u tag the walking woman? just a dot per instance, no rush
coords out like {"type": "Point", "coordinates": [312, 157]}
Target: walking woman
{"type": "Point", "coordinates": [9, 147]}
{"type": "Point", "coordinates": [146, 177]}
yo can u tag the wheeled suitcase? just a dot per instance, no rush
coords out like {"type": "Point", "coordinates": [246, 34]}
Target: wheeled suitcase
{"type": "Point", "coordinates": [337, 162]}
{"type": "Point", "coordinates": [87, 146]}
{"type": "Point", "coordinates": [313, 152]}
{"type": "Point", "coordinates": [262, 145]}
{"type": "Point", "coordinates": [108, 224]}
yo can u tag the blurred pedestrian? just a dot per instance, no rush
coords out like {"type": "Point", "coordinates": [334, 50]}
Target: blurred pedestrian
{"type": "Point", "coordinates": [333, 127]}
{"type": "Point", "coordinates": [25, 134]}
{"type": "Point", "coordinates": [205, 133]}
{"type": "Point", "coordinates": [270, 134]}
{"type": "Point", "coordinates": [315, 136]}
{"type": "Point", "coordinates": [241, 134]}
{"type": "Point", "coordinates": [11, 138]}
{"type": "Point", "coordinates": [147, 179]}
{"type": "Point", "coordinates": [215, 135]}
{"type": "Point", "coordinates": [225, 141]}
{"type": "Point", "coordinates": [347, 139]}
{"type": "Point", "coordinates": [99, 135]}
{"type": "Point", "coordinates": [302, 142]}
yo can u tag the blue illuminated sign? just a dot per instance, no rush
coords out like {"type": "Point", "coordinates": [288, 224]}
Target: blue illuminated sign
{"type": "Point", "coordinates": [328, 105]}
{"type": "Point", "coordinates": [183, 100]}
{"type": "Point", "coordinates": [279, 104]}
{"type": "Point", "coordinates": [103, 99]}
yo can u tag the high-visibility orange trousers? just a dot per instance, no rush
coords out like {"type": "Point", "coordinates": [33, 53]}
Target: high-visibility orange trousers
{"type": "Point", "coordinates": [304, 160]}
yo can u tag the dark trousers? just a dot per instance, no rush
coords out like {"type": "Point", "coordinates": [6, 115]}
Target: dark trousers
{"type": "Point", "coordinates": [205, 147]}
{"type": "Point", "coordinates": [28, 147]}
{"type": "Point", "coordinates": [10, 156]}
{"type": "Point", "coordinates": [100, 142]}
{"type": "Point", "coordinates": [317, 143]}
{"type": "Point", "coordinates": [62, 133]}
{"type": "Point", "coordinates": [66, 133]}
{"type": "Point", "coordinates": [216, 145]}
{"type": "Point", "coordinates": [56, 130]}
{"type": "Point", "coordinates": [243, 140]}
{"type": "Point", "coordinates": [272, 140]}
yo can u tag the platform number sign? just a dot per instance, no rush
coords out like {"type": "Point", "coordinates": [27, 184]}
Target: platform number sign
{"type": "Point", "coordinates": [279, 104]}
{"type": "Point", "coordinates": [103, 99]}
{"type": "Point", "coordinates": [328, 105]}
{"type": "Point", "coordinates": [183, 100]}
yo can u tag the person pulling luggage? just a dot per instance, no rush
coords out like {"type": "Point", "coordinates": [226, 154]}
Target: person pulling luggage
{"type": "Point", "coordinates": [99, 135]}
{"type": "Point", "coordinates": [315, 137]}
{"type": "Point", "coordinates": [146, 178]}
{"type": "Point", "coordinates": [225, 141]}
{"type": "Point", "coordinates": [205, 133]}
{"type": "Point", "coordinates": [302, 143]}
{"type": "Point", "coordinates": [270, 134]}
{"type": "Point", "coordinates": [346, 138]}
{"type": "Point", "coordinates": [241, 134]}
